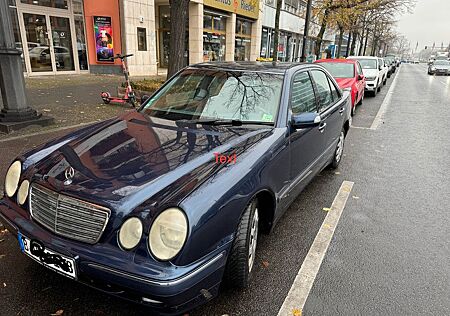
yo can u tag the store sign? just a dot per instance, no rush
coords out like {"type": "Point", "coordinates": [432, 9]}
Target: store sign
{"type": "Point", "coordinates": [103, 38]}
{"type": "Point", "coordinates": [248, 8]}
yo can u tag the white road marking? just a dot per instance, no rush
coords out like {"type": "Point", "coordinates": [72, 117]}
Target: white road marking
{"type": "Point", "coordinates": [387, 100]}
{"type": "Point", "coordinates": [296, 298]}
{"type": "Point", "coordinates": [47, 131]}
{"type": "Point", "coordinates": [359, 127]}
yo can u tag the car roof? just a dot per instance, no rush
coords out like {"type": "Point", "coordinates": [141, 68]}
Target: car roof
{"type": "Point", "coordinates": [363, 57]}
{"type": "Point", "coordinates": [270, 67]}
{"type": "Point", "coordinates": [329, 60]}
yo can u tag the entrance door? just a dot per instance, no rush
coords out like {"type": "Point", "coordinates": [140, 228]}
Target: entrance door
{"type": "Point", "coordinates": [50, 43]}
{"type": "Point", "coordinates": [62, 43]}
{"type": "Point", "coordinates": [38, 42]}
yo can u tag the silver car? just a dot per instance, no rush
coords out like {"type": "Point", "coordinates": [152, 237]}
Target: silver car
{"type": "Point", "coordinates": [439, 67]}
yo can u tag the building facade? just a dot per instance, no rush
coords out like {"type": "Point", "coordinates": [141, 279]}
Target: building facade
{"type": "Point", "coordinates": [82, 36]}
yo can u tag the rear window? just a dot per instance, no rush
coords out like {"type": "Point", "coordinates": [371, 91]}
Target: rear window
{"type": "Point", "coordinates": [368, 63]}
{"type": "Point", "coordinates": [340, 70]}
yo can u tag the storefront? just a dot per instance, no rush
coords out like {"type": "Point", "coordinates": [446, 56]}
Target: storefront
{"type": "Point", "coordinates": [287, 45]}
{"type": "Point", "coordinates": [214, 35]}
{"type": "Point", "coordinates": [50, 35]}
{"type": "Point", "coordinates": [243, 39]}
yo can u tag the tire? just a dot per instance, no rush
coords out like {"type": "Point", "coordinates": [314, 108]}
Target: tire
{"type": "Point", "coordinates": [337, 156]}
{"type": "Point", "coordinates": [379, 88]}
{"type": "Point", "coordinates": [374, 92]}
{"type": "Point", "coordinates": [353, 110]}
{"type": "Point", "coordinates": [242, 254]}
{"type": "Point", "coordinates": [385, 81]}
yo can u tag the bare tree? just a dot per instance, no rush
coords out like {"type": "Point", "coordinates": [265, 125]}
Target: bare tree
{"type": "Point", "coordinates": [178, 21]}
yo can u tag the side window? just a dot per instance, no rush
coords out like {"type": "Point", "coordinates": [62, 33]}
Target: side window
{"type": "Point", "coordinates": [303, 99]}
{"type": "Point", "coordinates": [323, 89]}
{"type": "Point", "coordinates": [359, 68]}
{"type": "Point", "coordinates": [334, 91]}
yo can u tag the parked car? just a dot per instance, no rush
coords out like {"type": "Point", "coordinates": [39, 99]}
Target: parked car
{"type": "Point", "coordinates": [439, 67]}
{"type": "Point", "coordinates": [373, 72]}
{"type": "Point", "coordinates": [384, 70]}
{"type": "Point", "coordinates": [160, 204]}
{"type": "Point", "coordinates": [349, 75]}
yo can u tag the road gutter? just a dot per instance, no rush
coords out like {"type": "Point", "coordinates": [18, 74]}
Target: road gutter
{"type": "Point", "coordinates": [296, 298]}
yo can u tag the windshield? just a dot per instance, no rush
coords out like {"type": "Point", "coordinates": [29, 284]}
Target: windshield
{"type": "Point", "coordinates": [368, 63]}
{"type": "Point", "coordinates": [218, 94]}
{"type": "Point", "coordinates": [340, 70]}
{"type": "Point", "coordinates": [441, 63]}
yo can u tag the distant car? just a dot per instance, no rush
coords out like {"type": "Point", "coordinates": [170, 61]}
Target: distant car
{"type": "Point", "coordinates": [349, 75]}
{"type": "Point", "coordinates": [40, 55]}
{"type": "Point", "coordinates": [161, 204]}
{"type": "Point", "coordinates": [416, 61]}
{"type": "Point", "coordinates": [439, 67]}
{"type": "Point", "coordinates": [372, 70]}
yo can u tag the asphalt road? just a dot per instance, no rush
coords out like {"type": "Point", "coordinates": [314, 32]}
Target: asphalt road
{"type": "Point", "coordinates": [389, 254]}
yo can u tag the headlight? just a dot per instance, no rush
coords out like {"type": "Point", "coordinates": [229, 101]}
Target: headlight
{"type": "Point", "coordinates": [22, 194]}
{"type": "Point", "coordinates": [12, 178]}
{"type": "Point", "coordinates": [130, 233]}
{"type": "Point", "coordinates": [168, 234]}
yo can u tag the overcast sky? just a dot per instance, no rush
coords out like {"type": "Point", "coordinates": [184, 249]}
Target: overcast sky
{"type": "Point", "coordinates": [430, 22]}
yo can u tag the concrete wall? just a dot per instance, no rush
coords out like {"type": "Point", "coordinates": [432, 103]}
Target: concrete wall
{"type": "Point", "coordinates": [140, 13]}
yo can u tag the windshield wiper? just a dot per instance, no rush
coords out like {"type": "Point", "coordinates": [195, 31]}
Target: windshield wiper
{"type": "Point", "coordinates": [216, 122]}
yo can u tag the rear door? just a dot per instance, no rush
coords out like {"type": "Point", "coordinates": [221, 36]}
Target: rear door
{"type": "Point", "coordinates": [332, 110]}
{"type": "Point", "coordinates": [361, 84]}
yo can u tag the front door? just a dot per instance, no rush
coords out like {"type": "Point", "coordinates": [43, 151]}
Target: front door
{"type": "Point", "coordinates": [49, 42]}
{"type": "Point", "coordinates": [305, 144]}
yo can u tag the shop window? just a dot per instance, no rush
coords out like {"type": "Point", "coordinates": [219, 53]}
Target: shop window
{"type": "Point", "coordinates": [243, 40]}
{"type": "Point", "coordinates": [58, 4]}
{"type": "Point", "coordinates": [77, 6]}
{"type": "Point", "coordinates": [207, 22]}
{"type": "Point", "coordinates": [214, 37]}
{"type": "Point", "coordinates": [81, 42]}
{"type": "Point", "coordinates": [164, 17]}
{"type": "Point", "coordinates": [142, 39]}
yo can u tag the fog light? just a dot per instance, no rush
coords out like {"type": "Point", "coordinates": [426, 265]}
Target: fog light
{"type": "Point", "coordinates": [22, 194]}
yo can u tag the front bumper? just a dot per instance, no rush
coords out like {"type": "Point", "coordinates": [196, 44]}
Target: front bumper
{"type": "Point", "coordinates": [371, 85]}
{"type": "Point", "coordinates": [166, 289]}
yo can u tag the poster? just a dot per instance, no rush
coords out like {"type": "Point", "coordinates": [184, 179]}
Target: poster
{"type": "Point", "coordinates": [103, 38]}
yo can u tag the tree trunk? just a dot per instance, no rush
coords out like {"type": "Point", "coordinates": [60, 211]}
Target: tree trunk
{"type": "Point", "coordinates": [178, 21]}
{"type": "Point", "coordinates": [276, 35]}
{"type": "Point", "coordinates": [323, 27]}
{"type": "Point", "coordinates": [361, 42]}
{"type": "Point", "coordinates": [341, 35]}
{"type": "Point", "coordinates": [353, 46]}
{"type": "Point", "coordinates": [367, 42]}
{"type": "Point", "coordinates": [349, 39]}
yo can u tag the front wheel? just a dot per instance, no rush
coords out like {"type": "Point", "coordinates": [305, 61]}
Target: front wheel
{"type": "Point", "coordinates": [337, 157]}
{"type": "Point", "coordinates": [242, 255]}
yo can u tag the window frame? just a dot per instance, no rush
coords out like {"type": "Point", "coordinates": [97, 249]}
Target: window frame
{"type": "Point", "coordinates": [144, 30]}
{"type": "Point", "coordinates": [307, 71]}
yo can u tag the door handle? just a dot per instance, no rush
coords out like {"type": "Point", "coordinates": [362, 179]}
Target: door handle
{"type": "Point", "coordinates": [341, 111]}
{"type": "Point", "coordinates": [322, 127]}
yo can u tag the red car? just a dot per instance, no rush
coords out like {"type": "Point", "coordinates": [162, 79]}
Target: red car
{"type": "Point", "coordinates": [348, 74]}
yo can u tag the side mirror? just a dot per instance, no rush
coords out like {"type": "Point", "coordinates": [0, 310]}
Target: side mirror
{"type": "Point", "coordinates": [305, 120]}
{"type": "Point", "coordinates": [144, 98]}
{"type": "Point", "coordinates": [360, 77]}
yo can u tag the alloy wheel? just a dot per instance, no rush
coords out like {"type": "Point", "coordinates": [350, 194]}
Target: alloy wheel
{"type": "Point", "coordinates": [340, 147]}
{"type": "Point", "coordinates": [253, 240]}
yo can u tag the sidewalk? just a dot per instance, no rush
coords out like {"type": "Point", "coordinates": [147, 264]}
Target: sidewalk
{"type": "Point", "coordinates": [71, 99]}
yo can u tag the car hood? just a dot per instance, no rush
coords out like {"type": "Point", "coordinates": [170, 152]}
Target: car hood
{"type": "Point", "coordinates": [345, 82]}
{"type": "Point", "coordinates": [134, 158]}
{"type": "Point", "coordinates": [370, 72]}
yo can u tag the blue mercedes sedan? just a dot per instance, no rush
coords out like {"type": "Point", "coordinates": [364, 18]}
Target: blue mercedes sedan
{"type": "Point", "coordinates": [163, 204]}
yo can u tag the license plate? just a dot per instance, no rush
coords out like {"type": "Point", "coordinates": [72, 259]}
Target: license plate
{"type": "Point", "coordinates": [48, 258]}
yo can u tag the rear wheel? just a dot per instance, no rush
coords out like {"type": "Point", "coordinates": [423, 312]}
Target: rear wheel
{"type": "Point", "coordinates": [242, 255]}
{"type": "Point", "coordinates": [339, 150]}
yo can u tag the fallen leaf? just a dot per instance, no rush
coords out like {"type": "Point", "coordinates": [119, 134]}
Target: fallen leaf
{"type": "Point", "coordinates": [265, 264]}
{"type": "Point", "coordinates": [327, 225]}
{"type": "Point", "coordinates": [81, 112]}
{"type": "Point", "coordinates": [326, 209]}
{"type": "Point", "coordinates": [2, 256]}
{"type": "Point", "coordinates": [2, 240]}
{"type": "Point", "coordinates": [59, 312]}
{"type": "Point", "coordinates": [337, 172]}
{"type": "Point", "coordinates": [4, 284]}
{"type": "Point", "coordinates": [3, 231]}
{"type": "Point", "coordinates": [355, 197]}
{"type": "Point", "coordinates": [297, 312]}
{"type": "Point", "coordinates": [46, 110]}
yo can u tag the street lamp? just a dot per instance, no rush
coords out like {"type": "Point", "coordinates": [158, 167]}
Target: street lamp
{"type": "Point", "coordinates": [16, 113]}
